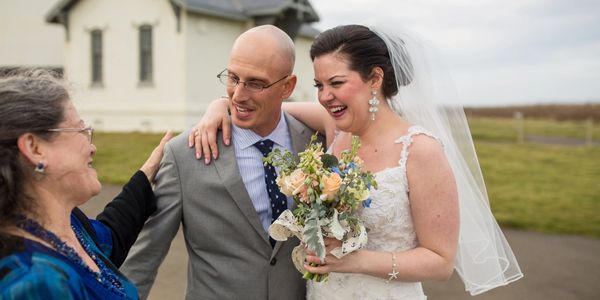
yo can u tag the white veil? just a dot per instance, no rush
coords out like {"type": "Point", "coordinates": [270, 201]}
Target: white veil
{"type": "Point", "coordinates": [484, 259]}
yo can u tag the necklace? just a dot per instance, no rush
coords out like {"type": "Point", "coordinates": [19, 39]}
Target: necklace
{"type": "Point", "coordinates": [105, 276]}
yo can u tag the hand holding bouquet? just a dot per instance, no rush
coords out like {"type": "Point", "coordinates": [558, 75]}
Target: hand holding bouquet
{"type": "Point", "coordinates": [328, 193]}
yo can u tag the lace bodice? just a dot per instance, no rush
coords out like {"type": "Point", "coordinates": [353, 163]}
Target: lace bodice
{"type": "Point", "coordinates": [390, 228]}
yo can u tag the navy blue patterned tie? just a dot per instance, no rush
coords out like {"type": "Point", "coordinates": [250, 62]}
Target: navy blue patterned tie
{"type": "Point", "coordinates": [278, 200]}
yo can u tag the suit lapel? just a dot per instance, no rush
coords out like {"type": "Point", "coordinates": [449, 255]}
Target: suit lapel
{"type": "Point", "coordinates": [229, 173]}
{"type": "Point", "coordinates": [300, 136]}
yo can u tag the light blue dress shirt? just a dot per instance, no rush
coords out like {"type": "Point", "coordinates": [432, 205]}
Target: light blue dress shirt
{"type": "Point", "coordinates": [249, 160]}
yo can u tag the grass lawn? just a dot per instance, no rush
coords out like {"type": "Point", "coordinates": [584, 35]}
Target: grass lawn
{"type": "Point", "coordinates": [119, 155]}
{"type": "Point", "coordinates": [542, 187]}
{"type": "Point", "coordinates": [548, 188]}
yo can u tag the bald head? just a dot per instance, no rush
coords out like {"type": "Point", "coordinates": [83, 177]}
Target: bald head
{"type": "Point", "coordinates": [263, 56]}
{"type": "Point", "coordinates": [273, 44]}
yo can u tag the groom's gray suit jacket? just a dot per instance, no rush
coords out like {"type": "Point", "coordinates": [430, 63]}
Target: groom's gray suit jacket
{"type": "Point", "coordinates": [230, 256]}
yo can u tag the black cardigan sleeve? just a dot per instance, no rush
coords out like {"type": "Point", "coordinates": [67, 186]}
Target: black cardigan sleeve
{"type": "Point", "coordinates": [127, 213]}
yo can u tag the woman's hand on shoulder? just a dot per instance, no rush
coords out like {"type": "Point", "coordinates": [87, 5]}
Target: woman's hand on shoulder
{"type": "Point", "coordinates": [150, 167]}
{"type": "Point", "coordinates": [203, 136]}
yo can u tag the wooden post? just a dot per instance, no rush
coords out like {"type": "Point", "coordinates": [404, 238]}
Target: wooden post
{"type": "Point", "coordinates": [589, 136]}
{"type": "Point", "coordinates": [519, 126]}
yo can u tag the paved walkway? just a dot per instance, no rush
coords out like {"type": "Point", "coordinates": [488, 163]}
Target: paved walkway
{"type": "Point", "coordinates": [556, 267]}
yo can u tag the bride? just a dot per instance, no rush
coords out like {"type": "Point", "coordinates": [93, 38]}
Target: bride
{"type": "Point", "coordinates": [430, 213]}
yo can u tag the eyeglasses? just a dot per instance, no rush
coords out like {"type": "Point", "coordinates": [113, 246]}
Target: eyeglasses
{"type": "Point", "coordinates": [87, 131]}
{"type": "Point", "coordinates": [252, 86]}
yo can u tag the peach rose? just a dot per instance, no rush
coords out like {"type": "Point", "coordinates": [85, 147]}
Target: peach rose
{"type": "Point", "coordinates": [331, 185]}
{"type": "Point", "coordinates": [292, 184]}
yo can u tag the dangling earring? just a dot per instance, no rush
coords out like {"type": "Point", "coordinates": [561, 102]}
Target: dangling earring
{"type": "Point", "coordinates": [40, 169]}
{"type": "Point", "coordinates": [373, 102]}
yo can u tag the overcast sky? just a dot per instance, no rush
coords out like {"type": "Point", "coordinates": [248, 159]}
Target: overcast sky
{"type": "Point", "coordinates": [498, 52]}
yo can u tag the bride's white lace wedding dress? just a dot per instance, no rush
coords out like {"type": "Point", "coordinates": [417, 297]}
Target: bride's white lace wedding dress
{"type": "Point", "coordinates": [390, 226]}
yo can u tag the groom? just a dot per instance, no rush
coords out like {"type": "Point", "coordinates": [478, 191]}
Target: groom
{"type": "Point", "coordinates": [225, 207]}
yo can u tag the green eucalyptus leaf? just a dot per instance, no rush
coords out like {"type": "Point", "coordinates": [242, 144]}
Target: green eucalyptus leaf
{"type": "Point", "coordinates": [313, 235]}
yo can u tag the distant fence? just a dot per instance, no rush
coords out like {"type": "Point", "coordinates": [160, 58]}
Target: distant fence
{"type": "Point", "coordinates": [559, 112]}
{"type": "Point", "coordinates": [548, 124]}
{"type": "Point", "coordinates": [521, 133]}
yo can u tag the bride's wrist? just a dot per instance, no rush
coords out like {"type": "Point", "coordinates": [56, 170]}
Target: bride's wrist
{"type": "Point", "coordinates": [393, 275]}
{"type": "Point", "coordinates": [362, 258]}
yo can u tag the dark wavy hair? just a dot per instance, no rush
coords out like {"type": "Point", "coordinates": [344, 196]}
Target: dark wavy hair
{"type": "Point", "coordinates": [363, 49]}
{"type": "Point", "coordinates": [31, 101]}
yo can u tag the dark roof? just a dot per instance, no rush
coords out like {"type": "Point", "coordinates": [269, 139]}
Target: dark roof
{"type": "Point", "coordinates": [307, 30]}
{"type": "Point", "coordinates": [54, 15]}
{"type": "Point", "coordinates": [229, 9]}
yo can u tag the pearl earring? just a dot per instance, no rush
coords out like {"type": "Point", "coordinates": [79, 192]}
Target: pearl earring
{"type": "Point", "coordinates": [373, 102]}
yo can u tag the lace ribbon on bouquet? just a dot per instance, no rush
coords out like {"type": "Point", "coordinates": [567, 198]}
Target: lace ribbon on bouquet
{"type": "Point", "coordinates": [287, 225]}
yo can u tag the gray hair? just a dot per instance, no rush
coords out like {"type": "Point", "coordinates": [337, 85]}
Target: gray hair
{"type": "Point", "coordinates": [31, 101]}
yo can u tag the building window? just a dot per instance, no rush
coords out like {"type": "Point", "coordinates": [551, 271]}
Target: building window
{"type": "Point", "coordinates": [145, 54]}
{"type": "Point", "coordinates": [96, 56]}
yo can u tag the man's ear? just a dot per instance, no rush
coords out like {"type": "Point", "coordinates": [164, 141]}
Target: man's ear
{"type": "Point", "coordinates": [30, 147]}
{"type": "Point", "coordinates": [288, 86]}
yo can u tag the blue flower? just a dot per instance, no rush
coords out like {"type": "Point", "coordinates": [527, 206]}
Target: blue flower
{"type": "Point", "coordinates": [337, 170]}
{"type": "Point", "coordinates": [366, 203]}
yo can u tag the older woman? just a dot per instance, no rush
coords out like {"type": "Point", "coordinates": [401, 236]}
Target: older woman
{"type": "Point", "coordinates": [48, 248]}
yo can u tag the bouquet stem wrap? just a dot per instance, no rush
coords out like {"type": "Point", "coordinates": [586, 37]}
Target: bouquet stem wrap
{"type": "Point", "coordinates": [328, 192]}
{"type": "Point", "coordinates": [287, 225]}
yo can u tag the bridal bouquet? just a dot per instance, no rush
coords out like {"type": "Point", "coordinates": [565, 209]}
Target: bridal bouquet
{"type": "Point", "coordinates": [327, 193]}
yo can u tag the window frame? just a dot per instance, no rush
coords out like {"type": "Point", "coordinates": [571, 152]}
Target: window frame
{"type": "Point", "coordinates": [97, 57]}
{"type": "Point", "coordinates": [146, 54]}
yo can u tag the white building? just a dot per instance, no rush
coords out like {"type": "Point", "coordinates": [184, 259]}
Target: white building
{"type": "Point", "coordinates": [151, 65]}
